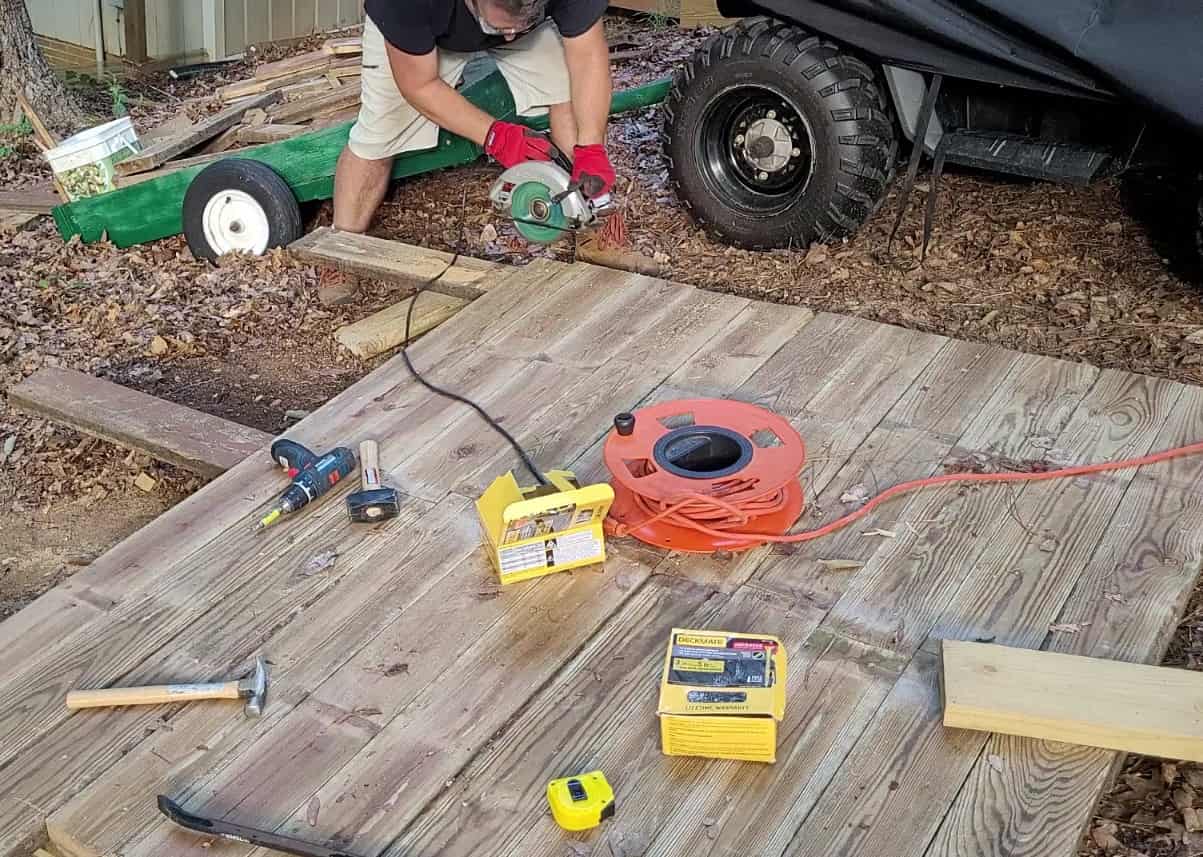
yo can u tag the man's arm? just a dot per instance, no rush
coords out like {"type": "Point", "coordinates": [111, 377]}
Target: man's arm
{"type": "Point", "coordinates": [588, 59]}
{"type": "Point", "coordinates": [418, 81]}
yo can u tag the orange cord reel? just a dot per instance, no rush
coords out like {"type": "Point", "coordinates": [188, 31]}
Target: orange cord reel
{"type": "Point", "coordinates": [703, 475]}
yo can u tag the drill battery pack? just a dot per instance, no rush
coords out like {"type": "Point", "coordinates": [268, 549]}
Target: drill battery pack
{"type": "Point", "coordinates": [543, 529]}
{"type": "Point", "coordinates": [722, 695]}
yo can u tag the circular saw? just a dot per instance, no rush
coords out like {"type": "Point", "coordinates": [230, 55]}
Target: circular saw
{"type": "Point", "coordinates": [543, 203]}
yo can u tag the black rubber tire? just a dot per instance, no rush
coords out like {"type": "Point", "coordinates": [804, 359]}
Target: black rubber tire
{"type": "Point", "coordinates": [255, 178]}
{"type": "Point", "coordinates": [850, 120]}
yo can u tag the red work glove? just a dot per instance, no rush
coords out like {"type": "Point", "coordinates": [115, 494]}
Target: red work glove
{"type": "Point", "coordinates": [592, 171]}
{"type": "Point", "coordinates": [511, 144]}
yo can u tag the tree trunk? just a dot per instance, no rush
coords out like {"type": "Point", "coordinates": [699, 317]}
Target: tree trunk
{"type": "Point", "coordinates": [23, 68]}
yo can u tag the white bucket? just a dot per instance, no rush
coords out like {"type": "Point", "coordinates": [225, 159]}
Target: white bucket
{"type": "Point", "coordinates": [84, 163]}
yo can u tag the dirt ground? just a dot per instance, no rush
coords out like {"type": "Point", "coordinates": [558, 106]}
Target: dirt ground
{"type": "Point", "coordinates": [1069, 272]}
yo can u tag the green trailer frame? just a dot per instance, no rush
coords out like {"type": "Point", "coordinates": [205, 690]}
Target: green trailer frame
{"type": "Point", "coordinates": [153, 209]}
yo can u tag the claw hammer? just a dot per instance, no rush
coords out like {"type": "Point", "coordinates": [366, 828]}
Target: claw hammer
{"type": "Point", "coordinates": [253, 689]}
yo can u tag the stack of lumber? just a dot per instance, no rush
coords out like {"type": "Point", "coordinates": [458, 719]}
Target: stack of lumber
{"type": "Point", "coordinates": [282, 100]}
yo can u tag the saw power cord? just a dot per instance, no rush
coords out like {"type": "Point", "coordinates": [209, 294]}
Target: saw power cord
{"type": "Point", "coordinates": [442, 391]}
{"type": "Point", "coordinates": [725, 517]}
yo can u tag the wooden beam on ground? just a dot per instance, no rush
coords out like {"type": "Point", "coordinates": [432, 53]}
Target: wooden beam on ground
{"type": "Point", "coordinates": [190, 439]}
{"type": "Point", "coordinates": [37, 200]}
{"type": "Point", "coordinates": [1137, 708]}
{"type": "Point", "coordinates": [385, 330]}
{"type": "Point", "coordinates": [133, 16]}
{"type": "Point", "coordinates": [381, 259]}
{"type": "Point", "coordinates": [203, 131]}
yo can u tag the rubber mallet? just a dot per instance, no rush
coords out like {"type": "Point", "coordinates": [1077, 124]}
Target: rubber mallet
{"type": "Point", "coordinates": [253, 689]}
{"type": "Point", "coordinates": [373, 502]}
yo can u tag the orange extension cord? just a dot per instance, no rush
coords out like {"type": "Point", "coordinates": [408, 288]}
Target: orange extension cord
{"type": "Point", "coordinates": [720, 518]}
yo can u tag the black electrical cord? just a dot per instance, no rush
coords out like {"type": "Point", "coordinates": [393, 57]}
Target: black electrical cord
{"type": "Point", "coordinates": [448, 394]}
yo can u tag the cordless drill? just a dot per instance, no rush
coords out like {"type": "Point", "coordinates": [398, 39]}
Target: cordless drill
{"type": "Point", "coordinates": [312, 476]}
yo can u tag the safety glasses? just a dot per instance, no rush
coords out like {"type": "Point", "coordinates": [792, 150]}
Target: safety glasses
{"type": "Point", "coordinates": [511, 32]}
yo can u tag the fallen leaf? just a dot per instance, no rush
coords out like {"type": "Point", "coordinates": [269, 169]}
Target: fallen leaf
{"type": "Point", "coordinates": [319, 562]}
{"type": "Point", "coordinates": [816, 255]}
{"type": "Point", "coordinates": [489, 233]}
{"type": "Point", "coordinates": [145, 482]}
{"type": "Point", "coordinates": [1192, 819]}
{"type": "Point", "coordinates": [1104, 836]}
{"type": "Point", "coordinates": [159, 346]}
{"type": "Point", "coordinates": [311, 812]}
{"type": "Point", "coordinates": [1169, 773]}
{"type": "Point", "coordinates": [1184, 796]}
{"type": "Point", "coordinates": [995, 761]}
{"type": "Point", "coordinates": [10, 443]}
{"type": "Point", "coordinates": [888, 534]}
{"type": "Point", "coordinates": [856, 494]}
{"type": "Point", "coordinates": [841, 564]}
{"type": "Point", "coordinates": [397, 669]}
{"type": "Point", "coordinates": [1195, 338]}
{"type": "Point", "coordinates": [1049, 545]}
{"type": "Point", "coordinates": [1068, 627]}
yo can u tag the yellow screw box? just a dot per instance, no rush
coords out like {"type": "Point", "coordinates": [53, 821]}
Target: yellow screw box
{"type": "Point", "coordinates": [543, 529]}
{"type": "Point", "coordinates": [722, 695]}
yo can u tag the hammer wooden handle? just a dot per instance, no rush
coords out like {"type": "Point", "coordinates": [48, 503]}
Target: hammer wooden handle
{"type": "Point", "coordinates": [151, 695]}
{"type": "Point", "coordinates": [369, 464]}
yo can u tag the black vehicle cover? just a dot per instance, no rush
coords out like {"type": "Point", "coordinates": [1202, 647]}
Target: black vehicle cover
{"type": "Point", "coordinates": [1150, 50]}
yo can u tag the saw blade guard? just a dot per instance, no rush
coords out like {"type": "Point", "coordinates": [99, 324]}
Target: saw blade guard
{"type": "Point", "coordinates": [543, 216]}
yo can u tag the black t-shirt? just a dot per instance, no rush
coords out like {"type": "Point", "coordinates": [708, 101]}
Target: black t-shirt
{"type": "Point", "coordinates": [419, 26]}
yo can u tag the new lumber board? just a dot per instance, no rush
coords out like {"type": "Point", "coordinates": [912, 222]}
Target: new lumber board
{"type": "Point", "coordinates": [207, 129]}
{"type": "Point", "coordinates": [1136, 708]}
{"type": "Point", "coordinates": [385, 330]}
{"type": "Point", "coordinates": [393, 261]}
{"type": "Point", "coordinates": [193, 440]}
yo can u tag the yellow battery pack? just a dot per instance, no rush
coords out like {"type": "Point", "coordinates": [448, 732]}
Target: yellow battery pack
{"type": "Point", "coordinates": [722, 695]}
{"type": "Point", "coordinates": [543, 529]}
{"type": "Point", "coordinates": [581, 802]}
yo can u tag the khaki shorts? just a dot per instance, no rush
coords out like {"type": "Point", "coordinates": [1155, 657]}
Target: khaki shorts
{"type": "Point", "coordinates": [533, 66]}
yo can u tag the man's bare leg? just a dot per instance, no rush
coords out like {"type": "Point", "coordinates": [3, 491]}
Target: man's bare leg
{"type": "Point", "coordinates": [359, 188]}
{"type": "Point", "coordinates": [563, 127]}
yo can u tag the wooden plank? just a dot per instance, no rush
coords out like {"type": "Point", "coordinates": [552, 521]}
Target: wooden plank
{"type": "Point", "coordinates": [313, 61]}
{"type": "Point", "coordinates": [269, 133]}
{"type": "Point", "coordinates": [223, 142]}
{"type": "Point", "coordinates": [289, 84]}
{"type": "Point", "coordinates": [204, 130]}
{"type": "Point", "coordinates": [35, 200]}
{"type": "Point", "coordinates": [385, 330]}
{"type": "Point", "coordinates": [11, 221]}
{"type": "Point", "coordinates": [190, 439]}
{"type": "Point", "coordinates": [343, 47]}
{"type": "Point", "coordinates": [1135, 708]}
{"type": "Point", "coordinates": [133, 16]}
{"type": "Point", "coordinates": [312, 108]}
{"type": "Point", "coordinates": [394, 262]}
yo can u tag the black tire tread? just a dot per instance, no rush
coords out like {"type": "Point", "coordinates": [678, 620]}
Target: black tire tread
{"type": "Point", "coordinates": [856, 102]}
{"type": "Point", "coordinates": [256, 178]}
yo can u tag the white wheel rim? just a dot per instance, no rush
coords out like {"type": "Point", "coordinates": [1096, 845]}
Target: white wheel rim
{"type": "Point", "coordinates": [235, 223]}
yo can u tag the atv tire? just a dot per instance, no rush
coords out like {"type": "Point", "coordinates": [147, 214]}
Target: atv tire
{"type": "Point", "coordinates": [762, 74]}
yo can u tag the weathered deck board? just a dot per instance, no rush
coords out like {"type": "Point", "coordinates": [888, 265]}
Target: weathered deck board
{"type": "Point", "coordinates": [404, 667]}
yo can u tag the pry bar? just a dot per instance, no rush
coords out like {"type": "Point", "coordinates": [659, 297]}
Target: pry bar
{"type": "Point", "coordinates": [240, 833]}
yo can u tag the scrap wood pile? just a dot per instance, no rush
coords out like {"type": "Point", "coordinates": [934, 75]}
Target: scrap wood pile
{"type": "Point", "coordinates": [282, 100]}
